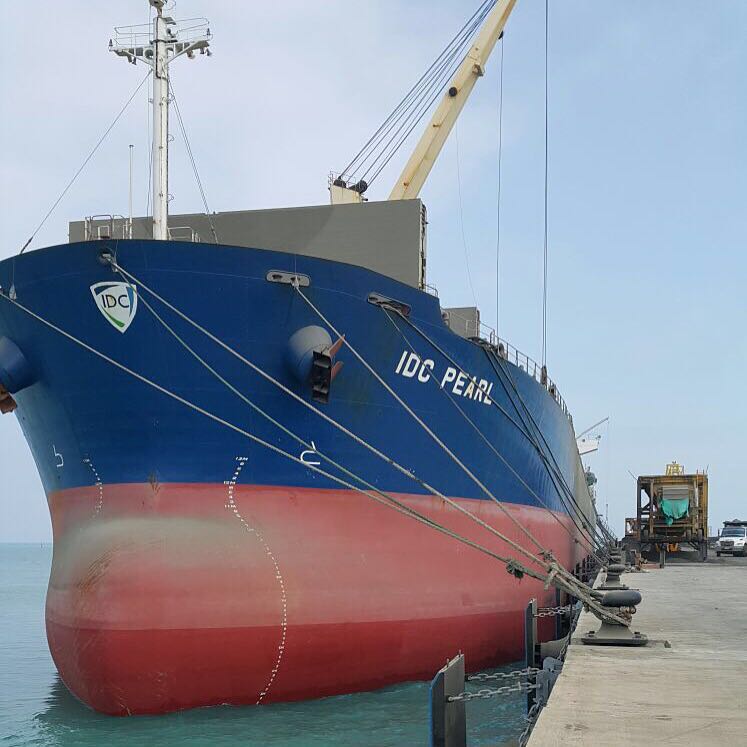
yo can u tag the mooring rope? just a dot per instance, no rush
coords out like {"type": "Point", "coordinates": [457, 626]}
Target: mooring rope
{"type": "Point", "coordinates": [555, 575]}
{"type": "Point", "coordinates": [417, 419]}
{"type": "Point", "coordinates": [570, 583]}
{"type": "Point", "coordinates": [525, 432]}
{"type": "Point", "coordinates": [514, 566]}
{"type": "Point", "coordinates": [274, 421]}
{"type": "Point", "coordinates": [490, 445]}
{"type": "Point", "coordinates": [528, 418]}
{"type": "Point", "coordinates": [547, 555]}
{"type": "Point", "coordinates": [500, 504]}
{"type": "Point", "coordinates": [331, 421]}
{"type": "Point", "coordinates": [549, 562]}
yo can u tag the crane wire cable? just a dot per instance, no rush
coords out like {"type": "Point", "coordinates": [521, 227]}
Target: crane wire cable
{"type": "Point", "coordinates": [411, 99]}
{"type": "Point", "coordinates": [403, 470]}
{"type": "Point", "coordinates": [582, 528]}
{"type": "Point", "coordinates": [500, 456]}
{"type": "Point", "coordinates": [544, 255]}
{"type": "Point", "coordinates": [498, 202]}
{"type": "Point", "coordinates": [408, 123]}
{"type": "Point", "coordinates": [85, 163]}
{"type": "Point", "coordinates": [418, 117]}
{"type": "Point", "coordinates": [415, 93]}
{"type": "Point", "coordinates": [192, 161]}
{"type": "Point", "coordinates": [402, 106]}
{"type": "Point", "coordinates": [461, 219]}
{"type": "Point", "coordinates": [395, 144]}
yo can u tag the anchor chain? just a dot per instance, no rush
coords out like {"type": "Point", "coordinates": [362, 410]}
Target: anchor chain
{"type": "Point", "coordinates": [553, 611]}
{"type": "Point", "coordinates": [487, 692]}
{"type": "Point", "coordinates": [482, 676]}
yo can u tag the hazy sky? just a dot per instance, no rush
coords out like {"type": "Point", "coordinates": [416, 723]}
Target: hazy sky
{"type": "Point", "coordinates": [648, 185]}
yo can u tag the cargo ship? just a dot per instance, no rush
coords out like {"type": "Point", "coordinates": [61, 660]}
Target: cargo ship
{"type": "Point", "coordinates": [260, 451]}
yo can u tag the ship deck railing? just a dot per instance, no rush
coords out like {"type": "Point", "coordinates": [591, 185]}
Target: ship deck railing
{"type": "Point", "coordinates": [106, 226]}
{"type": "Point", "coordinates": [508, 352]}
{"type": "Point", "coordinates": [139, 36]}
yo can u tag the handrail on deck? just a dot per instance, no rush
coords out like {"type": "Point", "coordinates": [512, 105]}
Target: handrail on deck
{"type": "Point", "coordinates": [508, 352]}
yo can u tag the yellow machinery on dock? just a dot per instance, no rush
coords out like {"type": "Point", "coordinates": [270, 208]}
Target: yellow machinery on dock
{"type": "Point", "coordinates": [672, 511]}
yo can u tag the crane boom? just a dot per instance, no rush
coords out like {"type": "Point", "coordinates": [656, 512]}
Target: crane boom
{"type": "Point", "coordinates": [431, 143]}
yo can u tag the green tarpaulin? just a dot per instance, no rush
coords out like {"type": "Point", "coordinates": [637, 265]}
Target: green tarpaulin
{"type": "Point", "coordinates": [674, 508]}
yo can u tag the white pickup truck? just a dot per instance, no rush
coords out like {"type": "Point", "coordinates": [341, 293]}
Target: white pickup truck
{"type": "Point", "coordinates": [733, 540]}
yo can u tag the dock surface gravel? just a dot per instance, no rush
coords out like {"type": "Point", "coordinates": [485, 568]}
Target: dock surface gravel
{"type": "Point", "coordinates": [693, 693]}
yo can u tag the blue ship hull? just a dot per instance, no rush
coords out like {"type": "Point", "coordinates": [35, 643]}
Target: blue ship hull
{"type": "Point", "coordinates": [124, 466]}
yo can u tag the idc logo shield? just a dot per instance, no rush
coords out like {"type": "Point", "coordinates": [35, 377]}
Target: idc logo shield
{"type": "Point", "coordinates": [117, 302]}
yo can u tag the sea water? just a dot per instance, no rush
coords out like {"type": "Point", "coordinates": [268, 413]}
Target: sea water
{"type": "Point", "coordinates": [37, 709]}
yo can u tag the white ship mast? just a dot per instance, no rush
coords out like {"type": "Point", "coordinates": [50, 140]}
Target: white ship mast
{"type": "Point", "coordinates": [158, 46]}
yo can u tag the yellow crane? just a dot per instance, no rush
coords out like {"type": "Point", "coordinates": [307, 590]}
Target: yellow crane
{"type": "Point", "coordinates": [437, 131]}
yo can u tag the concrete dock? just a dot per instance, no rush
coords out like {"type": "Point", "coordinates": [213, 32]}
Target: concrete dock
{"type": "Point", "coordinates": [693, 693]}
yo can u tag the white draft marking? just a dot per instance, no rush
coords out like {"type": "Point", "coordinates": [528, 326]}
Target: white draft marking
{"type": "Point", "coordinates": [231, 506]}
{"type": "Point", "coordinates": [310, 453]}
{"type": "Point", "coordinates": [59, 459]}
{"type": "Point", "coordinates": [98, 484]}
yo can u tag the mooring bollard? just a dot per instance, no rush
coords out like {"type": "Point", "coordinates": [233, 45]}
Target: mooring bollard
{"type": "Point", "coordinates": [612, 633]}
{"type": "Point", "coordinates": [448, 718]}
{"type": "Point", "coordinates": [612, 581]}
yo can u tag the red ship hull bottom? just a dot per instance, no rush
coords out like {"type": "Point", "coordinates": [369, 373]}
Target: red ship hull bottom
{"type": "Point", "coordinates": [167, 597]}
